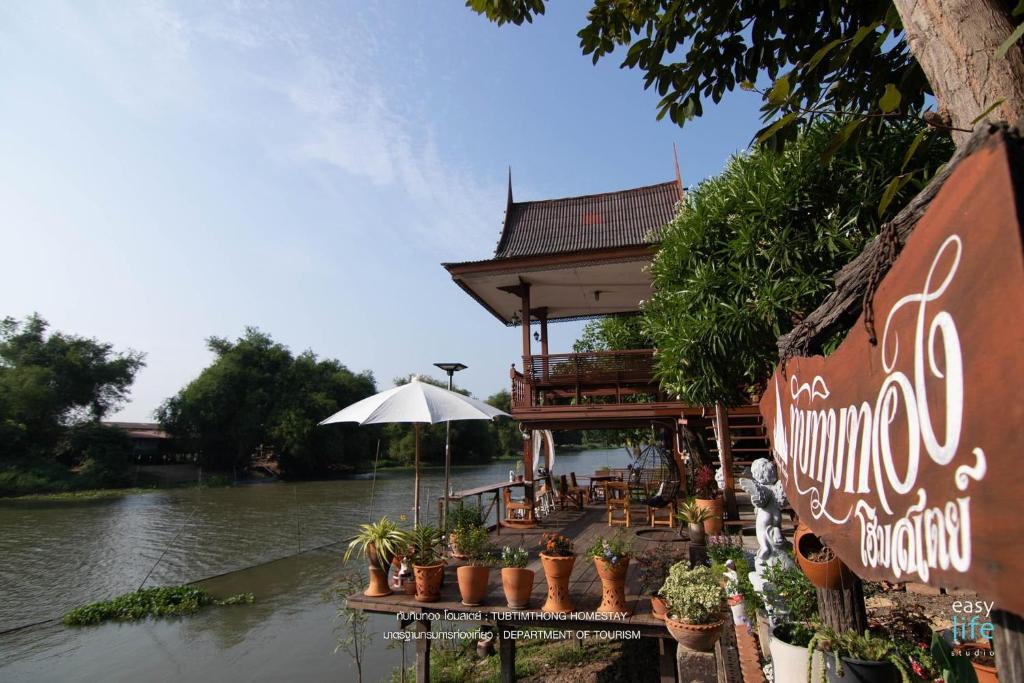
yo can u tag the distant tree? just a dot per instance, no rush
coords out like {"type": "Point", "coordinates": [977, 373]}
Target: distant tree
{"type": "Point", "coordinates": [256, 392]}
{"type": "Point", "coordinates": [508, 440]}
{"type": "Point", "coordinates": [869, 57]}
{"type": "Point", "coordinates": [51, 383]}
{"type": "Point", "coordinates": [614, 333]}
{"type": "Point", "coordinates": [753, 250]}
{"type": "Point", "coordinates": [473, 441]}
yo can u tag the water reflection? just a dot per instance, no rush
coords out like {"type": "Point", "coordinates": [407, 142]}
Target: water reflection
{"type": "Point", "coordinates": [54, 556]}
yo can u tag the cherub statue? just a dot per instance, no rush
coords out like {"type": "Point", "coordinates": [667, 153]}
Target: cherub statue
{"type": "Point", "coordinates": [767, 495]}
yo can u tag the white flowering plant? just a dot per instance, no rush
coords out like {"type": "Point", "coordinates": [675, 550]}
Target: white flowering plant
{"type": "Point", "coordinates": [694, 596]}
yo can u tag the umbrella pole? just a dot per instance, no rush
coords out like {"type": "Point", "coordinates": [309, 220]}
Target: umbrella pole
{"type": "Point", "coordinates": [447, 475]}
{"type": "Point", "coordinates": [416, 494]}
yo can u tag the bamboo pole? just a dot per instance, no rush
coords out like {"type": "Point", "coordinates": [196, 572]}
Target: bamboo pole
{"type": "Point", "coordinates": [416, 494]}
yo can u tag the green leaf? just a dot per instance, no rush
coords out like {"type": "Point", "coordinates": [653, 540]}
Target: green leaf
{"type": "Point", "coordinates": [915, 143]}
{"type": "Point", "coordinates": [822, 53]}
{"type": "Point", "coordinates": [988, 110]}
{"type": "Point", "coordinates": [862, 33]}
{"type": "Point", "coordinates": [767, 133]}
{"type": "Point", "coordinates": [779, 93]}
{"type": "Point", "coordinates": [894, 186]}
{"type": "Point", "coordinates": [1008, 43]}
{"type": "Point", "coordinates": [840, 138]}
{"type": "Point", "coordinates": [746, 85]}
{"type": "Point", "coordinates": [890, 99]}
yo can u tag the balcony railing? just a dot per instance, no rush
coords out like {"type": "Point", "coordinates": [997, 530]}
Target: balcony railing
{"type": "Point", "coordinates": [579, 377]}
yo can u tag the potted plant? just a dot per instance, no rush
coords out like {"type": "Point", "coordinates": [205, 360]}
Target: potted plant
{"type": "Point", "coordinates": [852, 657]}
{"type": "Point", "coordinates": [557, 557]}
{"type": "Point", "coordinates": [516, 579]}
{"type": "Point", "coordinates": [427, 565]}
{"type": "Point", "coordinates": [820, 563]}
{"type": "Point", "coordinates": [611, 558]}
{"type": "Point", "coordinates": [795, 604]}
{"type": "Point", "coordinates": [654, 564]}
{"type": "Point", "coordinates": [705, 488]}
{"type": "Point", "coordinates": [694, 599]}
{"type": "Point", "coordinates": [983, 659]}
{"type": "Point", "coordinates": [695, 518]}
{"type": "Point", "coordinates": [475, 544]}
{"type": "Point", "coordinates": [458, 519]}
{"type": "Point", "coordinates": [380, 543]}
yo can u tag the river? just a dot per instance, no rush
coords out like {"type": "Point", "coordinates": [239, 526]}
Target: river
{"type": "Point", "coordinates": [267, 539]}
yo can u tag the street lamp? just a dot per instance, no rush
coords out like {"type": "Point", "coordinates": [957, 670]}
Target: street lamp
{"type": "Point", "coordinates": [451, 369]}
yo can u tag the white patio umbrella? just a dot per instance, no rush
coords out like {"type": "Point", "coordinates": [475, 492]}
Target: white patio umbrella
{"type": "Point", "coordinates": [417, 402]}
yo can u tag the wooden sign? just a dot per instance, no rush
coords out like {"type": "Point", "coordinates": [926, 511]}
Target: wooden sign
{"type": "Point", "coordinates": [907, 457]}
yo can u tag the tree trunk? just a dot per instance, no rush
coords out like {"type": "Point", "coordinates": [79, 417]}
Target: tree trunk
{"type": "Point", "coordinates": [843, 609]}
{"type": "Point", "coordinates": [955, 43]}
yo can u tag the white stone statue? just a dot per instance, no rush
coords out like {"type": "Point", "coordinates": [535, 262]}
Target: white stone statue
{"type": "Point", "coordinates": [766, 494]}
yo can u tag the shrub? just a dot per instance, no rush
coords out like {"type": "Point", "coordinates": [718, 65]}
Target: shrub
{"type": "Point", "coordinates": [149, 602]}
{"type": "Point", "coordinates": [514, 557]}
{"type": "Point", "coordinates": [694, 595]}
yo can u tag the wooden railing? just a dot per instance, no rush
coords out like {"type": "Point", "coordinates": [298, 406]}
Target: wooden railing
{"type": "Point", "coordinates": [579, 376]}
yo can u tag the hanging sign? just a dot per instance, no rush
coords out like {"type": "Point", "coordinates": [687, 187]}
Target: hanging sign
{"type": "Point", "coordinates": [907, 457]}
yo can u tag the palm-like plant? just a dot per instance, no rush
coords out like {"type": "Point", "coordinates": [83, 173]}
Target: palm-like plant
{"type": "Point", "coordinates": [383, 540]}
{"type": "Point", "coordinates": [425, 545]}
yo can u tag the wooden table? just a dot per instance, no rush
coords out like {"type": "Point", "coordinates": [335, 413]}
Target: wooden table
{"type": "Point", "coordinates": [497, 490]}
{"type": "Point", "coordinates": [601, 478]}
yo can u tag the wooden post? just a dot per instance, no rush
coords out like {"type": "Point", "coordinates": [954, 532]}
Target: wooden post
{"type": "Point", "coordinates": [1008, 642]}
{"type": "Point", "coordinates": [528, 458]}
{"type": "Point", "coordinates": [524, 293]}
{"type": "Point", "coordinates": [667, 665]}
{"type": "Point", "coordinates": [544, 340]}
{"type": "Point", "coordinates": [507, 655]}
{"type": "Point", "coordinates": [416, 485]}
{"type": "Point", "coordinates": [422, 628]}
{"type": "Point", "coordinates": [725, 458]}
{"type": "Point", "coordinates": [843, 609]}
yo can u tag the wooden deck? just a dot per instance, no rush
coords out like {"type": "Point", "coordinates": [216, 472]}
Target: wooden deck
{"type": "Point", "coordinates": [585, 587]}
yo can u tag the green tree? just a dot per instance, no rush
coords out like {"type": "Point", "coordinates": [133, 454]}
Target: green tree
{"type": "Point", "coordinates": [820, 55]}
{"type": "Point", "coordinates": [50, 383]}
{"type": "Point", "coordinates": [614, 333]}
{"type": "Point", "coordinates": [754, 249]}
{"type": "Point", "coordinates": [256, 392]}
{"type": "Point", "coordinates": [508, 440]}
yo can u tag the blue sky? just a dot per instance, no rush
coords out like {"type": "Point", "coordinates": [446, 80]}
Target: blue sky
{"type": "Point", "coordinates": [175, 170]}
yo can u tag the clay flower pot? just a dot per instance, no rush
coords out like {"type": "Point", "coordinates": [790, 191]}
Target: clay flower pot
{"type": "Point", "coordinates": [518, 584]}
{"type": "Point", "coordinates": [828, 574]}
{"type": "Point", "coordinates": [428, 581]}
{"type": "Point", "coordinates": [557, 571]}
{"type": "Point", "coordinates": [613, 585]}
{"type": "Point", "coordinates": [696, 637]}
{"type": "Point", "coordinates": [659, 608]}
{"type": "Point", "coordinates": [696, 532]}
{"type": "Point", "coordinates": [716, 508]}
{"type": "Point", "coordinates": [378, 577]}
{"type": "Point", "coordinates": [985, 673]}
{"type": "Point", "coordinates": [473, 584]}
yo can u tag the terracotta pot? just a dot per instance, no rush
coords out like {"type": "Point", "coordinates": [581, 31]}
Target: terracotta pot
{"type": "Point", "coordinates": [518, 584]}
{"type": "Point", "coordinates": [799, 531]}
{"type": "Point", "coordinates": [613, 585]}
{"type": "Point", "coordinates": [473, 584]}
{"type": "Point", "coordinates": [696, 637]}
{"type": "Point", "coordinates": [859, 671]}
{"type": "Point", "coordinates": [983, 672]}
{"type": "Point", "coordinates": [557, 571]}
{"type": "Point", "coordinates": [658, 607]}
{"type": "Point", "coordinates": [789, 662]}
{"type": "Point", "coordinates": [715, 506]}
{"type": "Point", "coordinates": [697, 534]}
{"type": "Point", "coordinates": [831, 574]}
{"type": "Point", "coordinates": [378, 583]}
{"type": "Point", "coordinates": [428, 581]}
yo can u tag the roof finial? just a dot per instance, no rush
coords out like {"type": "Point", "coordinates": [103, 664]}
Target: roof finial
{"type": "Point", "coordinates": [510, 185]}
{"type": "Point", "coordinates": [679, 178]}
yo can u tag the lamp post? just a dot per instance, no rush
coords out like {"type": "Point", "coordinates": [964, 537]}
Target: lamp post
{"type": "Point", "coordinates": [451, 369]}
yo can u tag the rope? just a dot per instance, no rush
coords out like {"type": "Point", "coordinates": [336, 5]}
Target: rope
{"type": "Point", "coordinates": [167, 547]}
{"type": "Point", "coordinates": [889, 241]}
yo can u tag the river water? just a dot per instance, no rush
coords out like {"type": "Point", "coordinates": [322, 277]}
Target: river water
{"type": "Point", "coordinates": [269, 539]}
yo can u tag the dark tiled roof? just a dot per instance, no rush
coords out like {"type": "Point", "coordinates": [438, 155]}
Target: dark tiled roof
{"type": "Point", "coordinates": [599, 221]}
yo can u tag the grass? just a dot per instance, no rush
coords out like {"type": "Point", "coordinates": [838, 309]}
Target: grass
{"type": "Point", "coordinates": [50, 483]}
{"type": "Point", "coordinates": [149, 602]}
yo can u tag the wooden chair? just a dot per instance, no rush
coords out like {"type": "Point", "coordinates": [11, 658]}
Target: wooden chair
{"type": "Point", "coordinates": [664, 499]}
{"type": "Point", "coordinates": [545, 500]}
{"type": "Point", "coordinates": [516, 510]}
{"type": "Point", "coordinates": [583, 490]}
{"type": "Point", "coordinates": [617, 500]}
{"type": "Point", "coordinates": [569, 494]}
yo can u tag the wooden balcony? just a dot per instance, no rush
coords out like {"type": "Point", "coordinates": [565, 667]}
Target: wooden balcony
{"type": "Point", "coordinates": [610, 386]}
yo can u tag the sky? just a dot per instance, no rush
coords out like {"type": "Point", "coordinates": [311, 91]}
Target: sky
{"type": "Point", "coordinates": [176, 170]}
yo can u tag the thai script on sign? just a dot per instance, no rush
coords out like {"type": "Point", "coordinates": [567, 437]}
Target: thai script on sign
{"type": "Point", "coordinates": [873, 453]}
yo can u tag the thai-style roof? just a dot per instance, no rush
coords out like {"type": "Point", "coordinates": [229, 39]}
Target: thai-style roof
{"type": "Point", "coordinates": [597, 221]}
{"type": "Point", "coordinates": [581, 257]}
